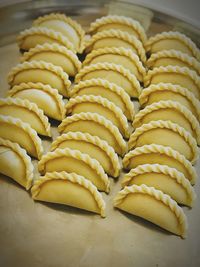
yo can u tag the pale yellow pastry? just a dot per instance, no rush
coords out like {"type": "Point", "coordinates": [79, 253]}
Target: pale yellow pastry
{"type": "Point", "coordinates": [56, 54]}
{"type": "Point", "coordinates": [172, 40]}
{"type": "Point", "coordinates": [116, 38]}
{"type": "Point", "coordinates": [40, 71]}
{"type": "Point", "coordinates": [117, 55]}
{"type": "Point", "coordinates": [152, 154]}
{"type": "Point", "coordinates": [71, 29]}
{"type": "Point", "coordinates": [26, 111]}
{"type": "Point", "coordinates": [93, 146]}
{"type": "Point", "coordinates": [161, 177]}
{"type": "Point", "coordinates": [168, 134]}
{"type": "Point", "coordinates": [97, 125]}
{"type": "Point", "coordinates": [170, 111]}
{"type": "Point", "coordinates": [102, 106]}
{"type": "Point", "coordinates": [20, 132]}
{"type": "Point", "coordinates": [15, 163]}
{"type": "Point", "coordinates": [44, 96]}
{"type": "Point", "coordinates": [152, 205]}
{"type": "Point", "coordinates": [176, 75]}
{"type": "Point", "coordinates": [69, 189]}
{"type": "Point", "coordinates": [113, 73]}
{"type": "Point", "coordinates": [108, 90]}
{"type": "Point", "coordinates": [71, 160]}
{"type": "Point", "coordinates": [168, 91]}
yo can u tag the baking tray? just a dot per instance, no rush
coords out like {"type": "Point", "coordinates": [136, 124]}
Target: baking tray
{"type": "Point", "coordinates": [50, 235]}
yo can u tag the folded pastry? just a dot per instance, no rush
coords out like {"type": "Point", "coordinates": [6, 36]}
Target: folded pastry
{"type": "Point", "coordinates": [116, 38]}
{"type": "Point", "coordinates": [69, 189]}
{"type": "Point", "coordinates": [161, 177]}
{"type": "Point", "coordinates": [170, 111]}
{"type": "Point", "coordinates": [56, 54]}
{"type": "Point", "coordinates": [117, 55]}
{"type": "Point", "coordinates": [151, 154]}
{"type": "Point", "coordinates": [176, 75]}
{"type": "Point", "coordinates": [20, 132]}
{"type": "Point", "coordinates": [152, 205]}
{"type": "Point", "coordinates": [15, 163]}
{"type": "Point", "coordinates": [168, 91]}
{"type": "Point", "coordinates": [102, 106]}
{"type": "Point", "coordinates": [44, 96]}
{"type": "Point", "coordinates": [113, 73]}
{"type": "Point", "coordinates": [40, 71]}
{"type": "Point", "coordinates": [111, 91]}
{"type": "Point", "coordinates": [71, 29]}
{"type": "Point", "coordinates": [168, 134]}
{"type": "Point", "coordinates": [93, 146]}
{"type": "Point", "coordinates": [97, 125]}
{"type": "Point", "coordinates": [70, 160]}
{"type": "Point", "coordinates": [26, 111]}
{"type": "Point", "coordinates": [170, 40]}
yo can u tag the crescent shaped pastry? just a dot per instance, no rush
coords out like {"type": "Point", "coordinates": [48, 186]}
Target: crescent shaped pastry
{"type": "Point", "coordinates": [168, 91]}
{"type": "Point", "coordinates": [44, 96]}
{"type": "Point", "coordinates": [165, 133]}
{"type": "Point", "coordinates": [29, 38]}
{"type": "Point", "coordinates": [162, 155]}
{"type": "Point", "coordinates": [93, 146]}
{"type": "Point", "coordinates": [117, 55]}
{"type": "Point", "coordinates": [171, 40]}
{"type": "Point", "coordinates": [176, 75]}
{"type": "Point", "coordinates": [102, 106]}
{"type": "Point", "coordinates": [173, 58]}
{"type": "Point", "coordinates": [96, 125]}
{"type": "Point", "coordinates": [169, 111]}
{"type": "Point", "coordinates": [15, 163]}
{"type": "Point", "coordinates": [110, 91]}
{"type": "Point", "coordinates": [68, 27]}
{"type": "Point", "coordinates": [40, 71]}
{"type": "Point", "coordinates": [26, 111]}
{"type": "Point", "coordinates": [161, 177]}
{"type": "Point", "coordinates": [55, 54]}
{"type": "Point", "coordinates": [68, 189]}
{"type": "Point", "coordinates": [20, 132]}
{"type": "Point", "coordinates": [152, 205]}
{"type": "Point", "coordinates": [116, 38]}
{"type": "Point", "coordinates": [70, 160]}
{"type": "Point", "coordinates": [113, 73]}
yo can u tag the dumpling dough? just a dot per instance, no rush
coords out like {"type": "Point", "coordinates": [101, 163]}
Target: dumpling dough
{"type": "Point", "coordinates": [152, 205]}
{"type": "Point", "coordinates": [68, 189]}
{"type": "Point", "coordinates": [15, 163]}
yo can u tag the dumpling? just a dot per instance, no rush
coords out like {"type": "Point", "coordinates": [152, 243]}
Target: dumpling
{"type": "Point", "coordinates": [69, 189]}
{"type": "Point", "coordinates": [15, 163]}
{"type": "Point", "coordinates": [152, 205]}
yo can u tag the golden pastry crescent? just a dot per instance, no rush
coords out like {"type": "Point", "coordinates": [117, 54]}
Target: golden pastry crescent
{"type": "Point", "coordinates": [44, 96]}
{"type": "Point", "coordinates": [68, 189]}
{"type": "Point", "coordinates": [70, 160]}
{"type": "Point", "coordinates": [165, 133]}
{"type": "Point", "coordinates": [40, 71]}
{"type": "Point", "coordinates": [113, 73]}
{"type": "Point", "coordinates": [93, 146]}
{"type": "Point", "coordinates": [56, 54]}
{"type": "Point", "coordinates": [152, 205]}
{"type": "Point", "coordinates": [161, 177]}
{"type": "Point", "coordinates": [102, 106]}
{"type": "Point", "coordinates": [110, 91]}
{"type": "Point", "coordinates": [20, 132]}
{"type": "Point", "coordinates": [117, 55]}
{"type": "Point", "coordinates": [26, 111]}
{"type": "Point", "coordinates": [15, 163]}
{"type": "Point", "coordinates": [176, 75]}
{"type": "Point", "coordinates": [97, 125]}
{"type": "Point", "coordinates": [162, 155]}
